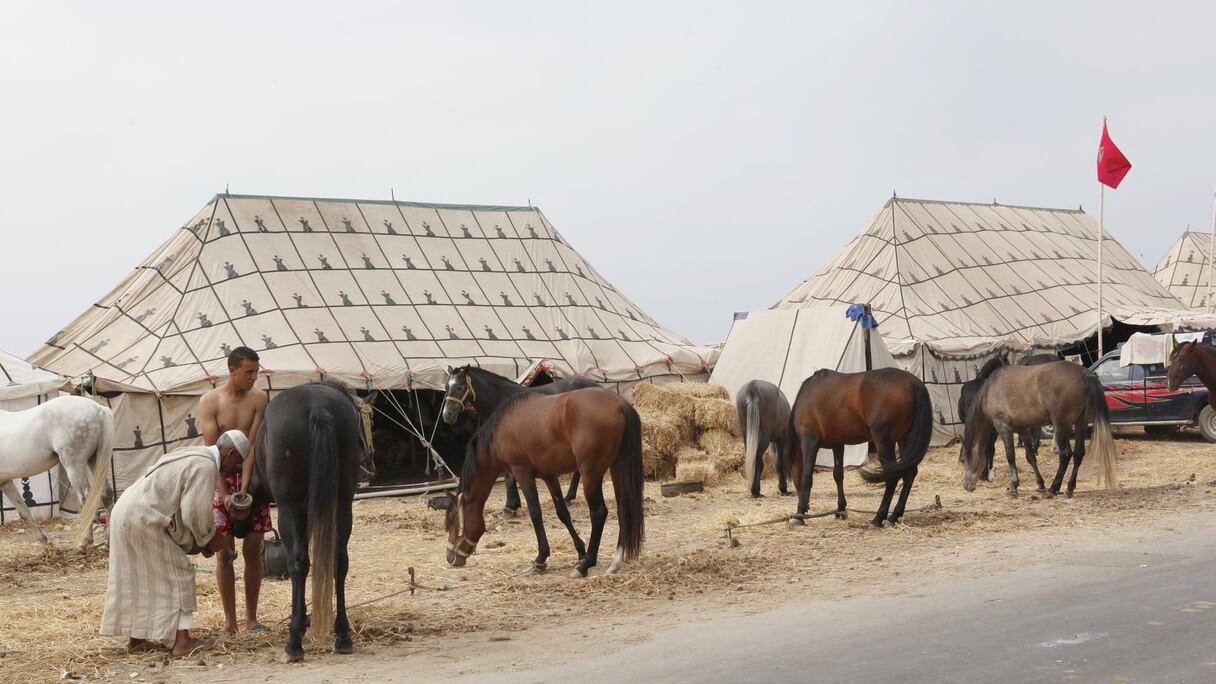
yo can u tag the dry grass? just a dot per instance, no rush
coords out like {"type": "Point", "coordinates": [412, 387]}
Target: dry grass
{"type": "Point", "coordinates": [50, 602]}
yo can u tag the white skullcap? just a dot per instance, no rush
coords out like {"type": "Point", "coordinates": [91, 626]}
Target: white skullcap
{"type": "Point", "coordinates": [238, 440]}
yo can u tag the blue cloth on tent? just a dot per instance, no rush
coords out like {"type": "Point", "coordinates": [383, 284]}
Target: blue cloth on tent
{"type": "Point", "coordinates": [857, 312]}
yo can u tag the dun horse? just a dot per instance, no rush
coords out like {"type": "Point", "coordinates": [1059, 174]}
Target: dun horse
{"type": "Point", "coordinates": [481, 392]}
{"type": "Point", "coordinates": [1061, 394]}
{"type": "Point", "coordinates": [310, 448]}
{"type": "Point", "coordinates": [764, 417]}
{"type": "Point", "coordinates": [588, 431]}
{"type": "Point", "coordinates": [971, 389]}
{"type": "Point", "coordinates": [886, 406]}
{"type": "Point", "coordinates": [70, 431]}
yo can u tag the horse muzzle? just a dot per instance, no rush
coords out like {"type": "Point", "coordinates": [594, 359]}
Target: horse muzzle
{"type": "Point", "coordinates": [458, 553]}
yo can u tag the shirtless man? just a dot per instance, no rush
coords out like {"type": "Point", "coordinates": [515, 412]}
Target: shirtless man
{"type": "Point", "coordinates": [237, 406]}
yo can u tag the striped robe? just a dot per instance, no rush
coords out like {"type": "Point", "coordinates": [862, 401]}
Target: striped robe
{"type": "Point", "coordinates": [157, 521]}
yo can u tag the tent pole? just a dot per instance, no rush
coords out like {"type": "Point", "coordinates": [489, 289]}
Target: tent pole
{"type": "Point", "coordinates": [1101, 229]}
{"type": "Point", "coordinates": [866, 331]}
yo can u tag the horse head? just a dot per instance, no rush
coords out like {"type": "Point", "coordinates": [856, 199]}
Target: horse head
{"type": "Point", "coordinates": [460, 546]}
{"type": "Point", "coordinates": [976, 425]}
{"type": "Point", "coordinates": [1183, 364]}
{"type": "Point", "coordinates": [460, 396]}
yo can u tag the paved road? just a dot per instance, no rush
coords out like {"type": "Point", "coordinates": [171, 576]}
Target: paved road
{"type": "Point", "coordinates": [1144, 613]}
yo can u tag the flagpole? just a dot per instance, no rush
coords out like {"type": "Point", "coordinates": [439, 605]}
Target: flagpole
{"type": "Point", "coordinates": [1101, 229]}
{"type": "Point", "coordinates": [1212, 257]}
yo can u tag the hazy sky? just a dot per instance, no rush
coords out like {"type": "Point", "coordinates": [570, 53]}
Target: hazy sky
{"type": "Point", "coordinates": [706, 157]}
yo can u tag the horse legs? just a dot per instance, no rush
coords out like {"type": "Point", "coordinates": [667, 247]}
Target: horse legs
{"type": "Point", "coordinates": [511, 508]}
{"type": "Point", "coordinates": [573, 492]}
{"type": "Point", "coordinates": [779, 456]}
{"type": "Point", "coordinates": [838, 476]}
{"type": "Point", "coordinates": [1031, 441]}
{"type": "Point", "coordinates": [810, 448]}
{"type": "Point", "coordinates": [528, 484]}
{"type": "Point", "coordinates": [761, 447]}
{"type": "Point", "coordinates": [10, 490]}
{"type": "Point", "coordinates": [81, 478]}
{"type": "Point", "coordinates": [886, 454]}
{"type": "Point", "coordinates": [1062, 436]}
{"type": "Point", "coordinates": [1078, 454]}
{"type": "Point", "coordinates": [593, 491]}
{"type": "Point", "coordinates": [563, 514]}
{"type": "Point", "coordinates": [903, 496]}
{"type": "Point", "coordinates": [294, 526]}
{"type": "Point", "coordinates": [1011, 455]}
{"type": "Point", "coordinates": [342, 639]}
{"type": "Point", "coordinates": [990, 455]}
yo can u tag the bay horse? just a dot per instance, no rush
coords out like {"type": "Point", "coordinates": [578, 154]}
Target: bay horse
{"type": "Point", "coordinates": [886, 406]}
{"type": "Point", "coordinates": [1192, 358]}
{"type": "Point", "coordinates": [310, 449]}
{"type": "Point", "coordinates": [764, 417]}
{"type": "Point", "coordinates": [1061, 394]}
{"type": "Point", "coordinates": [532, 435]}
{"type": "Point", "coordinates": [71, 431]}
{"type": "Point", "coordinates": [481, 392]}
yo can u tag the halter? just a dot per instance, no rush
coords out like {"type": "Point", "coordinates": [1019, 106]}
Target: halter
{"type": "Point", "coordinates": [465, 405]}
{"type": "Point", "coordinates": [459, 548]}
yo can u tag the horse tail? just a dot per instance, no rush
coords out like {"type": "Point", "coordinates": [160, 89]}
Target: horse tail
{"type": "Point", "coordinates": [1102, 443]}
{"type": "Point", "coordinates": [627, 482]}
{"type": "Point", "coordinates": [752, 438]}
{"type": "Point", "coordinates": [102, 464]}
{"type": "Point", "coordinates": [914, 443]}
{"type": "Point", "coordinates": [322, 513]}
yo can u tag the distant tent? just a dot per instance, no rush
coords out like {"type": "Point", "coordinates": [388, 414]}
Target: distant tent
{"type": "Point", "coordinates": [381, 295]}
{"type": "Point", "coordinates": [952, 283]}
{"type": "Point", "coordinates": [787, 346]}
{"type": "Point", "coordinates": [23, 386]}
{"type": "Point", "coordinates": [1185, 270]}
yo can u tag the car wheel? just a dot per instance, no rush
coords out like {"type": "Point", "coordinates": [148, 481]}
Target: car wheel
{"type": "Point", "coordinates": [1207, 423]}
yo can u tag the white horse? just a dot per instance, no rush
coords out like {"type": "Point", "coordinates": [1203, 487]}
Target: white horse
{"type": "Point", "coordinates": [70, 431]}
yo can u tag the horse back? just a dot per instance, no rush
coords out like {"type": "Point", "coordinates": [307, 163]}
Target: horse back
{"type": "Point", "coordinates": [546, 432]}
{"type": "Point", "coordinates": [286, 443]}
{"type": "Point", "coordinates": [841, 408]}
{"type": "Point", "coordinates": [1040, 394]}
{"type": "Point", "coordinates": [773, 407]}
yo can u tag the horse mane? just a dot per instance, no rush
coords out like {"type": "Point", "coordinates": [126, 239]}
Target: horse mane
{"type": "Point", "coordinates": [338, 385]}
{"type": "Point", "coordinates": [482, 439]}
{"type": "Point", "coordinates": [993, 364]}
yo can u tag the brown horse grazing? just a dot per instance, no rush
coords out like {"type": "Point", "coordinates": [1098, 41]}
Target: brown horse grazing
{"type": "Point", "coordinates": [586, 431]}
{"type": "Point", "coordinates": [1191, 358]}
{"type": "Point", "coordinates": [887, 406]}
{"type": "Point", "coordinates": [1061, 394]}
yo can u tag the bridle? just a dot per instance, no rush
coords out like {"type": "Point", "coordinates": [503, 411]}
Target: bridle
{"type": "Point", "coordinates": [465, 403]}
{"type": "Point", "coordinates": [464, 547]}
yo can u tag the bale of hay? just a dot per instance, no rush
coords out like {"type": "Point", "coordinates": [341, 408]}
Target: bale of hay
{"type": "Point", "coordinates": [651, 398]}
{"type": "Point", "coordinates": [716, 414]}
{"type": "Point", "coordinates": [702, 472]}
{"type": "Point", "coordinates": [723, 449]}
{"type": "Point", "coordinates": [664, 432]}
{"type": "Point", "coordinates": [657, 465]}
{"type": "Point", "coordinates": [696, 390]}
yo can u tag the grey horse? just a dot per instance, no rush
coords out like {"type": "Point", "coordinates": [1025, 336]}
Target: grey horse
{"type": "Point", "coordinates": [764, 415]}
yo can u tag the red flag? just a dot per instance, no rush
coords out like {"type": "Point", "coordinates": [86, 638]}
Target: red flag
{"type": "Point", "coordinates": [1112, 165]}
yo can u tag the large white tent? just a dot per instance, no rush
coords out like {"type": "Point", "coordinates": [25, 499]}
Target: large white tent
{"type": "Point", "coordinates": [379, 294]}
{"type": "Point", "coordinates": [22, 386]}
{"type": "Point", "coordinates": [787, 346]}
{"type": "Point", "coordinates": [952, 283]}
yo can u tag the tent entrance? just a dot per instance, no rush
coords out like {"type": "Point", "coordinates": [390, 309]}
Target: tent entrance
{"type": "Point", "coordinates": [410, 443]}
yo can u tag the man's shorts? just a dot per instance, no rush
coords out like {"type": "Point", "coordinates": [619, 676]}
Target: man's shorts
{"type": "Point", "coordinates": [261, 514]}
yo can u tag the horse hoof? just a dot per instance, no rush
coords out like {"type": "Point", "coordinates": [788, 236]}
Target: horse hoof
{"type": "Point", "coordinates": [795, 522]}
{"type": "Point", "coordinates": [344, 646]}
{"type": "Point", "coordinates": [292, 655]}
{"type": "Point", "coordinates": [1012, 493]}
{"type": "Point", "coordinates": [876, 523]}
{"type": "Point", "coordinates": [1042, 489]}
{"type": "Point", "coordinates": [892, 522]}
{"type": "Point", "coordinates": [578, 573]}
{"type": "Point", "coordinates": [842, 515]}
{"type": "Point", "coordinates": [786, 493]}
{"type": "Point", "coordinates": [538, 568]}
{"type": "Point", "coordinates": [510, 512]}
{"type": "Point", "coordinates": [1068, 494]}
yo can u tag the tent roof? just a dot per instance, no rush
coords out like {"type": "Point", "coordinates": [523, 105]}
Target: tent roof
{"type": "Point", "coordinates": [966, 278]}
{"type": "Point", "coordinates": [384, 292]}
{"type": "Point", "coordinates": [19, 379]}
{"type": "Point", "coordinates": [1185, 269]}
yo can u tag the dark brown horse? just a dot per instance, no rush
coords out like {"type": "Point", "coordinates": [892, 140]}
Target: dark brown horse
{"type": "Point", "coordinates": [588, 431]}
{"type": "Point", "coordinates": [1192, 358]}
{"type": "Point", "coordinates": [1061, 394]}
{"type": "Point", "coordinates": [887, 406]}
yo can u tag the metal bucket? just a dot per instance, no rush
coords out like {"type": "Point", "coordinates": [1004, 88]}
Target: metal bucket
{"type": "Point", "coordinates": [274, 557]}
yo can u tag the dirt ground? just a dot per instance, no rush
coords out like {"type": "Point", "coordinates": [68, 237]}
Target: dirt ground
{"type": "Point", "coordinates": [50, 602]}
